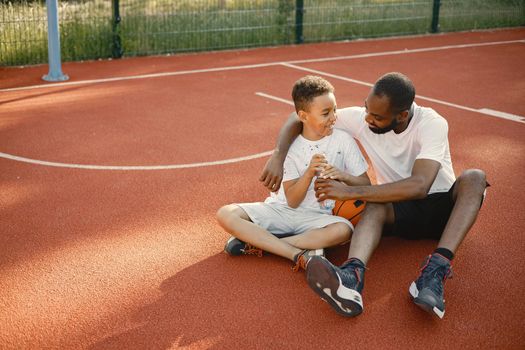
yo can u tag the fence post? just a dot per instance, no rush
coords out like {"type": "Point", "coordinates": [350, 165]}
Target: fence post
{"type": "Point", "coordinates": [116, 44]}
{"type": "Point", "coordinates": [435, 16]}
{"type": "Point", "coordinates": [299, 11]}
{"type": "Point", "coordinates": [53, 44]}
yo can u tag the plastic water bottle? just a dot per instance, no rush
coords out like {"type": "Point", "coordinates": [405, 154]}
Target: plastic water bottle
{"type": "Point", "coordinates": [327, 204]}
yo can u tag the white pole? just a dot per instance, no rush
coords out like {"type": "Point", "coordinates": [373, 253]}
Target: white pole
{"type": "Point", "coordinates": [53, 44]}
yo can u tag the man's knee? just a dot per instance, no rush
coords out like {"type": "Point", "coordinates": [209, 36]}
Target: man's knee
{"type": "Point", "coordinates": [473, 178]}
{"type": "Point", "coordinates": [381, 212]}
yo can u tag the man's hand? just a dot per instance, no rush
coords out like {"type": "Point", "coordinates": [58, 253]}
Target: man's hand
{"type": "Point", "coordinates": [331, 189]}
{"type": "Point", "coordinates": [272, 174]}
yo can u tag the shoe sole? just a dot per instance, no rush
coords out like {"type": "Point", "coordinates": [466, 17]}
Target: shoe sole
{"type": "Point", "coordinates": [324, 280]}
{"type": "Point", "coordinates": [414, 293]}
{"type": "Point", "coordinates": [315, 252]}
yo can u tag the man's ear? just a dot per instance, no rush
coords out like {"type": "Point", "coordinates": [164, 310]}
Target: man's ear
{"type": "Point", "coordinates": [403, 116]}
{"type": "Point", "coordinates": [302, 115]}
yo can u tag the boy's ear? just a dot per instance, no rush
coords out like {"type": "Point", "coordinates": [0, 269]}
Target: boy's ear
{"type": "Point", "coordinates": [302, 115]}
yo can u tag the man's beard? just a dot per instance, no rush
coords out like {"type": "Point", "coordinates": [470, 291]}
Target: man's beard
{"type": "Point", "coordinates": [385, 129]}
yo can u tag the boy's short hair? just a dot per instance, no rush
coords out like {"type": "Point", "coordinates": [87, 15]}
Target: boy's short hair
{"type": "Point", "coordinates": [398, 88]}
{"type": "Point", "coordinates": [307, 88]}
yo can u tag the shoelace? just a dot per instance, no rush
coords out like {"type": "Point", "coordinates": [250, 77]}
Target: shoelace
{"type": "Point", "coordinates": [432, 270]}
{"type": "Point", "coordinates": [300, 262]}
{"type": "Point", "coordinates": [251, 250]}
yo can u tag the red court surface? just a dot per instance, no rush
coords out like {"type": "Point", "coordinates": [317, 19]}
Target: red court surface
{"type": "Point", "coordinates": [109, 189]}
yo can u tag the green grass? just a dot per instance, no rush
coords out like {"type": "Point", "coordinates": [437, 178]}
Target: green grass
{"type": "Point", "coordinates": [361, 19]}
{"type": "Point", "coordinates": [194, 26]}
{"type": "Point", "coordinates": [481, 14]}
{"type": "Point", "coordinates": [166, 26]}
{"type": "Point", "coordinates": [85, 31]}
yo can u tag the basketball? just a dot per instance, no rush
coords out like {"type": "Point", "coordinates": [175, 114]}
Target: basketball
{"type": "Point", "coordinates": [350, 209]}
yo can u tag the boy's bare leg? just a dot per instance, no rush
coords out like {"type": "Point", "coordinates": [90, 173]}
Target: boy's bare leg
{"type": "Point", "coordinates": [328, 236]}
{"type": "Point", "coordinates": [236, 222]}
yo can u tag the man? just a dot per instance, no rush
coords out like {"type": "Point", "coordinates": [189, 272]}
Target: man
{"type": "Point", "coordinates": [417, 195]}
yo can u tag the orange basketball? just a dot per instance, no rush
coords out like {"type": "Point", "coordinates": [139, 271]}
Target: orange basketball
{"type": "Point", "coordinates": [350, 209]}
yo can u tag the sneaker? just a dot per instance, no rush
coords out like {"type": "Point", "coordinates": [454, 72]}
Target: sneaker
{"type": "Point", "coordinates": [339, 286]}
{"type": "Point", "coordinates": [235, 246]}
{"type": "Point", "coordinates": [301, 260]}
{"type": "Point", "coordinates": [428, 290]}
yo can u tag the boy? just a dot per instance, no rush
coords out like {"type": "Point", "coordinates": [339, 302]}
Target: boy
{"type": "Point", "coordinates": [294, 214]}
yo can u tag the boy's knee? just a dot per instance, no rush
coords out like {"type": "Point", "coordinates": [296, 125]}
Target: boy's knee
{"type": "Point", "coordinates": [342, 232]}
{"type": "Point", "coordinates": [346, 232]}
{"type": "Point", "coordinates": [225, 213]}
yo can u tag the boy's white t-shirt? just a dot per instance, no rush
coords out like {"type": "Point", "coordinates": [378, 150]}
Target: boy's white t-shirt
{"type": "Point", "coordinates": [393, 155]}
{"type": "Point", "coordinates": [340, 150]}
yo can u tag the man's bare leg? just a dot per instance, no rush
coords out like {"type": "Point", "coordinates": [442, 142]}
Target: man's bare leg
{"type": "Point", "coordinates": [427, 290]}
{"type": "Point", "coordinates": [467, 194]}
{"type": "Point", "coordinates": [341, 286]}
{"type": "Point", "coordinates": [369, 230]}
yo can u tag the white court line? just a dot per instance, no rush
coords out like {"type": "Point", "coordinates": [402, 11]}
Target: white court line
{"type": "Point", "coordinates": [133, 167]}
{"type": "Point", "coordinates": [485, 111]}
{"type": "Point", "coordinates": [499, 114]}
{"type": "Point", "coordinates": [262, 94]}
{"type": "Point", "coordinates": [261, 65]}
{"type": "Point", "coordinates": [142, 76]}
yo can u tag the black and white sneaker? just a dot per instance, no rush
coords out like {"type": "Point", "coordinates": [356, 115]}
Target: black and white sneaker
{"type": "Point", "coordinates": [428, 290]}
{"type": "Point", "coordinates": [235, 246]}
{"type": "Point", "coordinates": [339, 286]}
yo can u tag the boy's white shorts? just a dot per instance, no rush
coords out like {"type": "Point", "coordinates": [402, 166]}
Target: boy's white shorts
{"type": "Point", "coordinates": [280, 219]}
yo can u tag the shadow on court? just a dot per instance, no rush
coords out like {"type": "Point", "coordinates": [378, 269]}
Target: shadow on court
{"type": "Point", "coordinates": [229, 302]}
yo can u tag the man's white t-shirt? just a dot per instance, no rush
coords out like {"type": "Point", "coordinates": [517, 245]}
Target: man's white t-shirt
{"type": "Point", "coordinates": [340, 150]}
{"type": "Point", "coordinates": [393, 155]}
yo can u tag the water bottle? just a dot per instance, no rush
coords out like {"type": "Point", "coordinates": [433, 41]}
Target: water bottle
{"type": "Point", "coordinates": [327, 204]}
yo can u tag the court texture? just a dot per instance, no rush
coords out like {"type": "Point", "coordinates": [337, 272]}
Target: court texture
{"type": "Point", "coordinates": [109, 185]}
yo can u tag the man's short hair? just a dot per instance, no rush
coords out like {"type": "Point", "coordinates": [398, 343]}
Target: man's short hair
{"type": "Point", "coordinates": [398, 88]}
{"type": "Point", "coordinates": [307, 88]}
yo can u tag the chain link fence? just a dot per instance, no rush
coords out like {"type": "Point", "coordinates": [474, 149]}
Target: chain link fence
{"type": "Point", "coordinates": [92, 29]}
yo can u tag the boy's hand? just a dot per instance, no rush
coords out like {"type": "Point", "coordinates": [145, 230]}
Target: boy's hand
{"type": "Point", "coordinates": [272, 174]}
{"type": "Point", "coordinates": [317, 164]}
{"type": "Point", "coordinates": [331, 172]}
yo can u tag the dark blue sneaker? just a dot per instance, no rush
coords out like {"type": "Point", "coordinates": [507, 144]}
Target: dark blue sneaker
{"type": "Point", "coordinates": [428, 290]}
{"type": "Point", "coordinates": [339, 286]}
{"type": "Point", "coordinates": [235, 246]}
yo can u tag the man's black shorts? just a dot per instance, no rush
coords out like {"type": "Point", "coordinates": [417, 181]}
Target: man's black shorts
{"type": "Point", "coordinates": [422, 218]}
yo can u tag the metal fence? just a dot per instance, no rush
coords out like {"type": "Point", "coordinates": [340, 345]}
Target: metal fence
{"type": "Point", "coordinates": [92, 29]}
